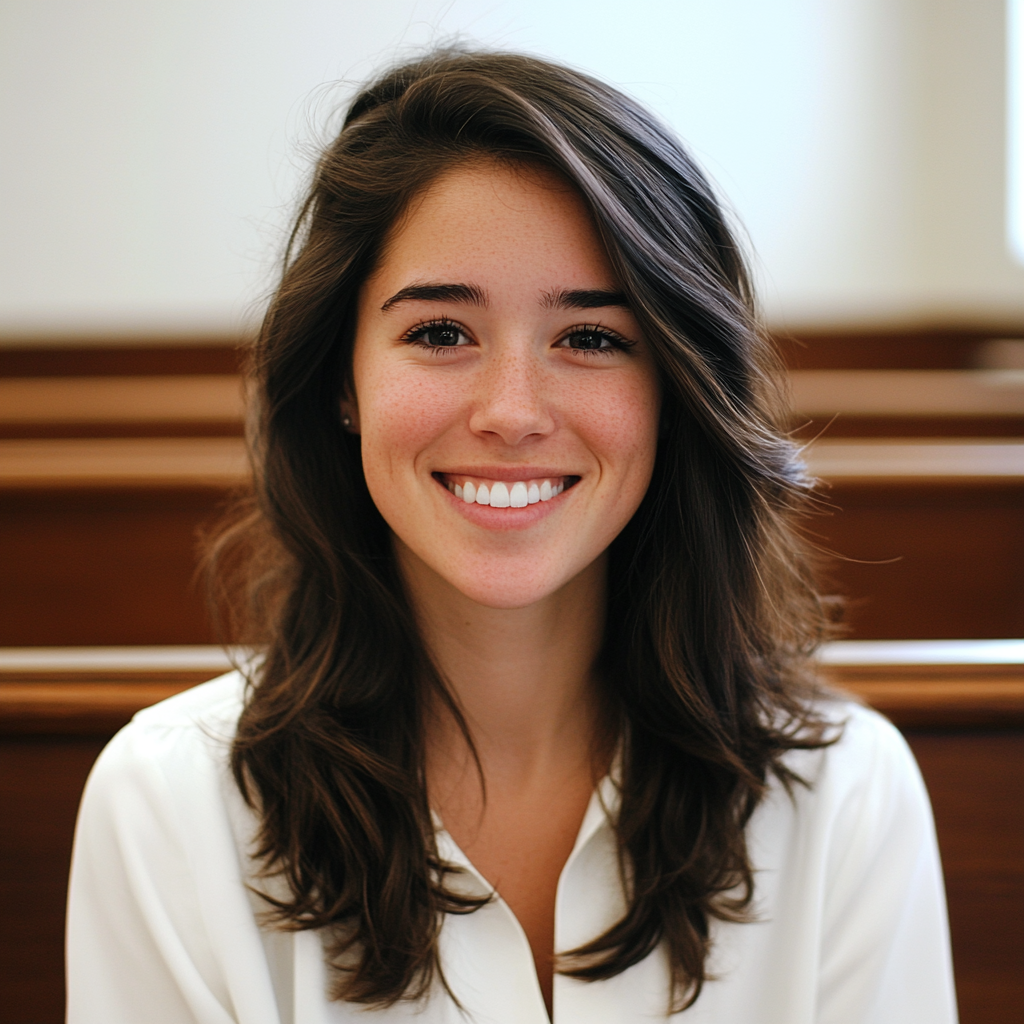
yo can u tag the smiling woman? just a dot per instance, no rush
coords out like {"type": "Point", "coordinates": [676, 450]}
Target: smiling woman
{"type": "Point", "coordinates": [492, 384]}
{"type": "Point", "coordinates": [535, 733]}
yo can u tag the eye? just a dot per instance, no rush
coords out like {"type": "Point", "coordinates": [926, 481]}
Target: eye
{"type": "Point", "coordinates": [594, 339]}
{"type": "Point", "coordinates": [437, 334]}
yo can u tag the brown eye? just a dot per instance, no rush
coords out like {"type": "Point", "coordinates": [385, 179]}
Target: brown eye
{"type": "Point", "coordinates": [438, 335]}
{"type": "Point", "coordinates": [589, 340]}
{"type": "Point", "coordinates": [443, 335]}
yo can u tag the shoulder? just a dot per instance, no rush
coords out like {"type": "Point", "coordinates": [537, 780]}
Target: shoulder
{"type": "Point", "coordinates": [865, 748]}
{"type": "Point", "coordinates": [172, 752]}
{"type": "Point", "coordinates": [859, 794]}
{"type": "Point", "coordinates": [207, 712]}
{"type": "Point", "coordinates": [159, 910]}
{"type": "Point", "coordinates": [867, 739]}
{"type": "Point", "coordinates": [216, 704]}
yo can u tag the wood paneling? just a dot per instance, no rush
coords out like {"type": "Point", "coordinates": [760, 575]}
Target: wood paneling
{"type": "Point", "coordinates": [907, 403]}
{"type": "Point", "coordinates": [103, 566]}
{"type": "Point", "coordinates": [945, 463]}
{"type": "Point", "coordinates": [135, 357]}
{"type": "Point", "coordinates": [888, 427]}
{"type": "Point", "coordinates": [924, 348]}
{"type": "Point", "coordinates": [194, 404]}
{"type": "Point", "coordinates": [976, 783]}
{"type": "Point", "coordinates": [908, 393]}
{"type": "Point", "coordinates": [925, 561]}
{"type": "Point", "coordinates": [56, 466]}
{"type": "Point", "coordinates": [99, 537]}
{"type": "Point", "coordinates": [41, 780]}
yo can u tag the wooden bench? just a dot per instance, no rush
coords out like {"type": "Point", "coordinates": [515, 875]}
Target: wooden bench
{"type": "Point", "coordinates": [99, 536]}
{"type": "Point", "coordinates": [179, 404]}
{"type": "Point", "coordinates": [112, 460]}
{"type": "Point", "coordinates": [914, 403]}
{"type": "Point", "coordinates": [928, 534]}
{"type": "Point", "coordinates": [960, 705]}
{"type": "Point", "coordinates": [858, 403]}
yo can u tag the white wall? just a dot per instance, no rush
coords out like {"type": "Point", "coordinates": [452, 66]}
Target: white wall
{"type": "Point", "coordinates": [151, 149]}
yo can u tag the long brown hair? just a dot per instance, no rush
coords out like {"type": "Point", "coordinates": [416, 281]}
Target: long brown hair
{"type": "Point", "coordinates": [712, 617]}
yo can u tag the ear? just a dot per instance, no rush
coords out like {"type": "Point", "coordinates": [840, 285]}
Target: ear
{"type": "Point", "coordinates": [350, 414]}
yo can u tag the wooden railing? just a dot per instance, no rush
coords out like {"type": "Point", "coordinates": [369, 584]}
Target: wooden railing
{"type": "Point", "coordinates": [98, 535]}
{"type": "Point", "coordinates": [129, 462]}
{"type": "Point", "coordinates": [112, 460]}
{"type": "Point", "coordinates": [917, 684]}
{"type": "Point", "coordinates": [843, 402]}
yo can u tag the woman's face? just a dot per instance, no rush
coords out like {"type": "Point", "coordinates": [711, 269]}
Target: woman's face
{"type": "Point", "coordinates": [507, 403]}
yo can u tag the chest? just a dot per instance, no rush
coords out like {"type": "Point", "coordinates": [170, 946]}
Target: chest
{"type": "Point", "coordinates": [520, 842]}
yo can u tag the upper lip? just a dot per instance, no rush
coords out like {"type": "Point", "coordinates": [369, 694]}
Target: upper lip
{"type": "Point", "coordinates": [505, 473]}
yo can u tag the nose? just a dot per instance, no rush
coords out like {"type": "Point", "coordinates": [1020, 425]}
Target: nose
{"type": "Point", "coordinates": [511, 403]}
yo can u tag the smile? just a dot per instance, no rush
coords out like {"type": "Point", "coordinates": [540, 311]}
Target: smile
{"type": "Point", "coordinates": [502, 494]}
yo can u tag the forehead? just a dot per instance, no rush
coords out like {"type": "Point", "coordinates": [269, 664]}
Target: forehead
{"type": "Point", "coordinates": [502, 220]}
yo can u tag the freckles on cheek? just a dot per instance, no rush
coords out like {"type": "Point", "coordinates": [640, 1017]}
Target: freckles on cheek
{"type": "Point", "coordinates": [404, 414]}
{"type": "Point", "coordinates": [623, 425]}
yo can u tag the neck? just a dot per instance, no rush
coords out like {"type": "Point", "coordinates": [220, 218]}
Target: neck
{"type": "Point", "coordinates": [524, 678]}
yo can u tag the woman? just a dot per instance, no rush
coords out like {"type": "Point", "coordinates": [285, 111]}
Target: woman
{"type": "Point", "coordinates": [535, 734]}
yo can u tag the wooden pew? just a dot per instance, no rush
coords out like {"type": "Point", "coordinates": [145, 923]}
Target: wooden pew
{"type": "Point", "coordinates": [927, 533]}
{"type": "Point", "coordinates": [99, 536]}
{"type": "Point", "coordinates": [961, 706]}
{"type": "Point", "coordinates": [136, 406]}
{"type": "Point", "coordinates": [112, 461]}
{"type": "Point", "coordinates": [852, 403]}
{"type": "Point", "coordinates": [907, 403]}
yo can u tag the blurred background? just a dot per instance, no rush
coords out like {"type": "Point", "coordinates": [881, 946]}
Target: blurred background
{"type": "Point", "coordinates": [153, 150]}
{"type": "Point", "coordinates": [871, 153]}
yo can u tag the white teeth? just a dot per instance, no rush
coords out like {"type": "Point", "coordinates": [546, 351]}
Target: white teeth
{"type": "Point", "coordinates": [502, 495]}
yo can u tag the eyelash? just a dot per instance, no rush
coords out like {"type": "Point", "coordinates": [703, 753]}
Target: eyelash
{"type": "Point", "coordinates": [617, 342]}
{"type": "Point", "coordinates": [417, 334]}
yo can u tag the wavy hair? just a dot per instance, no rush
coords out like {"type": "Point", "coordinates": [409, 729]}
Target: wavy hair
{"type": "Point", "coordinates": [713, 614]}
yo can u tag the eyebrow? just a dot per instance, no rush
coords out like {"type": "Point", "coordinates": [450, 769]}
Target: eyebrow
{"type": "Point", "coordinates": [585, 298]}
{"type": "Point", "coordinates": [470, 294]}
{"type": "Point", "coordinates": [464, 293]}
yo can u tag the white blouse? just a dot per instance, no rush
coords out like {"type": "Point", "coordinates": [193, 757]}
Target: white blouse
{"type": "Point", "coordinates": [851, 920]}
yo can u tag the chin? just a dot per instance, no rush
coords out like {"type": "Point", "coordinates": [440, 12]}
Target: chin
{"type": "Point", "coordinates": [505, 600]}
{"type": "Point", "coordinates": [505, 597]}
{"type": "Point", "coordinates": [494, 588]}
{"type": "Point", "coordinates": [501, 580]}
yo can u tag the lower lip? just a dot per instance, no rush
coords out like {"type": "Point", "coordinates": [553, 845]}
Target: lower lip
{"type": "Point", "coordinates": [505, 518]}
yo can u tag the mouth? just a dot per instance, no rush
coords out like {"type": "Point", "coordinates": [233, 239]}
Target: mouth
{"type": "Point", "coordinates": [505, 493]}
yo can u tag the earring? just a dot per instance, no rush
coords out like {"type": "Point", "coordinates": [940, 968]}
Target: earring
{"type": "Point", "coordinates": [346, 421]}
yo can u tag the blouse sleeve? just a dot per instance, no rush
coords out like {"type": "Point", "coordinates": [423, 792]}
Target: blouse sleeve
{"type": "Point", "coordinates": [159, 927]}
{"type": "Point", "coordinates": [885, 956]}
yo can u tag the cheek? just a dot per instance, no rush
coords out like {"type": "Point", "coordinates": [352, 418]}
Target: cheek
{"type": "Point", "coordinates": [401, 411]}
{"type": "Point", "coordinates": [620, 419]}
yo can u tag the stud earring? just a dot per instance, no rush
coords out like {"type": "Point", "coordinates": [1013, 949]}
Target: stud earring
{"type": "Point", "coordinates": [346, 421]}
